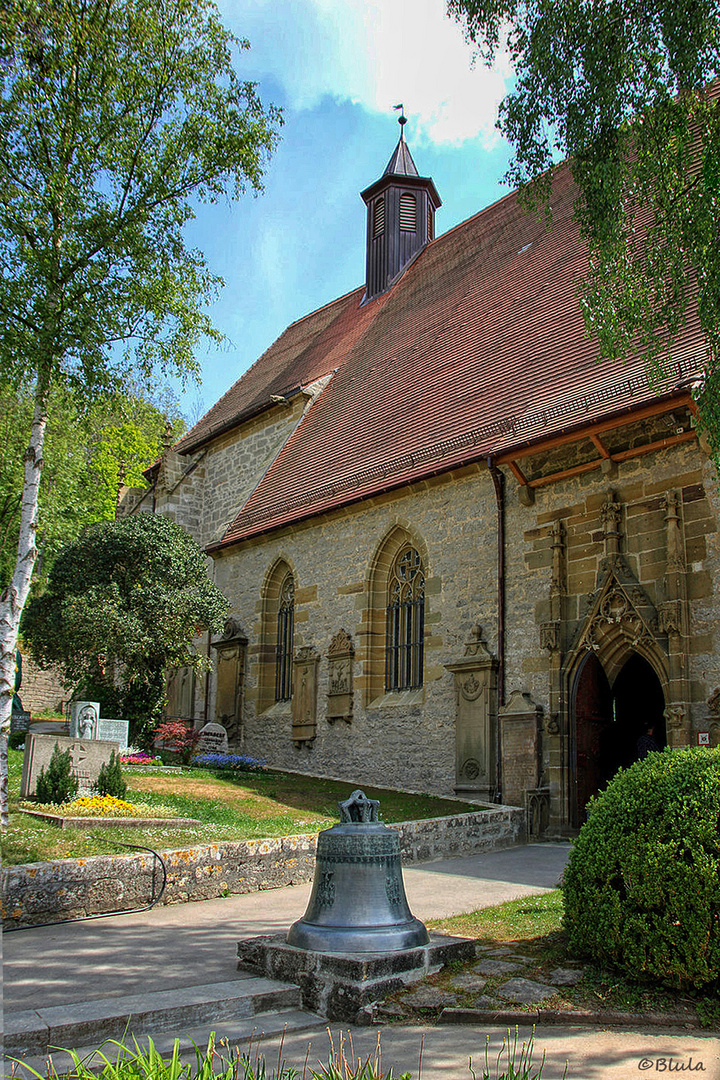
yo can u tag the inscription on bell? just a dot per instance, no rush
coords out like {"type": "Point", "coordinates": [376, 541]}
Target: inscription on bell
{"type": "Point", "coordinates": [326, 889]}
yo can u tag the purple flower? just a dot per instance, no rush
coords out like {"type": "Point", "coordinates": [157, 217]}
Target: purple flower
{"type": "Point", "coordinates": [238, 762]}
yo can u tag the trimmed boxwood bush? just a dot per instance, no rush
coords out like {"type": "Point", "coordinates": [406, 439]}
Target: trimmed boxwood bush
{"type": "Point", "coordinates": [642, 886]}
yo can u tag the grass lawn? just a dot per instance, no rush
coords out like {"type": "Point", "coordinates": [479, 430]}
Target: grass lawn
{"type": "Point", "coordinates": [231, 806]}
{"type": "Point", "coordinates": [531, 929]}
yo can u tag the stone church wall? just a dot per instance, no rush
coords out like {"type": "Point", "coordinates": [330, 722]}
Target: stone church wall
{"type": "Point", "coordinates": [404, 738]}
{"type": "Point", "coordinates": [640, 487]}
{"type": "Point", "coordinates": [408, 738]}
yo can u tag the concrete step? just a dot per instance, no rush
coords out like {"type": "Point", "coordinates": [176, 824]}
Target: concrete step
{"type": "Point", "coordinates": [34, 1030]}
{"type": "Point", "coordinates": [247, 1035]}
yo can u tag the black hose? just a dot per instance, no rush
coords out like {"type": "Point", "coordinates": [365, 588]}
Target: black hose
{"type": "Point", "coordinates": [106, 914]}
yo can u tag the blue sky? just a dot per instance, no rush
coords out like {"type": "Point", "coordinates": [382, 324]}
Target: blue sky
{"type": "Point", "coordinates": [337, 67]}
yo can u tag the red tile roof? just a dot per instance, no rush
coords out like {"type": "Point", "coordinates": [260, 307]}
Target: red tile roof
{"type": "Point", "coordinates": [479, 348]}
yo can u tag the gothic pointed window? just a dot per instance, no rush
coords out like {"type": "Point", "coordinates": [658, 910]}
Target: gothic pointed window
{"type": "Point", "coordinates": [284, 649]}
{"type": "Point", "coordinates": [405, 622]}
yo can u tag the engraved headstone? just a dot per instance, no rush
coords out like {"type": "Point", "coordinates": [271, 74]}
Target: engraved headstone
{"type": "Point", "coordinates": [19, 721]}
{"type": "Point", "coordinates": [86, 757]}
{"type": "Point", "coordinates": [113, 731]}
{"type": "Point", "coordinates": [83, 719]}
{"type": "Point", "coordinates": [213, 740]}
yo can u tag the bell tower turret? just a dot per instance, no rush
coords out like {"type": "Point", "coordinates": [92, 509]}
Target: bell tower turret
{"type": "Point", "coordinates": [401, 209]}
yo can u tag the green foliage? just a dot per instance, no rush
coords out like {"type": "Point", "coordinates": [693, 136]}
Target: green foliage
{"type": "Point", "coordinates": [123, 604]}
{"type": "Point", "coordinates": [511, 1062]}
{"type": "Point", "coordinates": [86, 448]}
{"type": "Point", "coordinates": [57, 785]}
{"type": "Point", "coordinates": [113, 116]}
{"type": "Point", "coordinates": [110, 778]}
{"type": "Point", "coordinates": [177, 737]}
{"type": "Point", "coordinates": [641, 887]}
{"type": "Point", "coordinates": [16, 739]}
{"type": "Point", "coordinates": [620, 87]}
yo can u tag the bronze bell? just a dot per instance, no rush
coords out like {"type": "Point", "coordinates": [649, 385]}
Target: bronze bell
{"type": "Point", "coordinates": [358, 901]}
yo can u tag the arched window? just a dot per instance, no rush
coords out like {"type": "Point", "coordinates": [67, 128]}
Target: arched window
{"type": "Point", "coordinates": [284, 649]}
{"type": "Point", "coordinates": [405, 622]}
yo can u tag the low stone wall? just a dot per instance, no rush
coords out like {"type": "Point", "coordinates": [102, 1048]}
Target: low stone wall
{"type": "Point", "coordinates": [70, 888]}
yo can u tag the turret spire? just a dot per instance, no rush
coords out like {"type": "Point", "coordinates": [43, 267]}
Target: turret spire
{"type": "Point", "coordinates": [401, 216]}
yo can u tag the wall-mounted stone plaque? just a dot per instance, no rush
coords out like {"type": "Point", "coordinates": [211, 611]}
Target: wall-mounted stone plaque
{"type": "Point", "coordinates": [340, 678]}
{"type": "Point", "coordinates": [84, 716]}
{"type": "Point", "coordinates": [230, 674]}
{"type": "Point", "coordinates": [520, 734]}
{"type": "Point", "coordinates": [113, 731]}
{"type": "Point", "coordinates": [181, 693]}
{"type": "Point", "coordinates": [86, 758]}
{"type": "Point", "coordinates": [213, 740]}
{"type": "Point", "coordinates": [304, 700]}
{"type": "Point", "coordinates": [476, 719]}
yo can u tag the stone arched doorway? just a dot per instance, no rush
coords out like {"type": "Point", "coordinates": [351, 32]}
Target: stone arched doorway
{"type": "Point", "coordinates": [607, 721]}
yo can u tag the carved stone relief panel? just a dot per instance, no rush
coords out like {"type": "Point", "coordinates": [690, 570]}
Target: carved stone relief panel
{"type": "Point", "coordinates": [475, 719]}
{"type": "Point", "coordinates": [305, 692]}
{"type": "Point", "coordinates": [340, 678]}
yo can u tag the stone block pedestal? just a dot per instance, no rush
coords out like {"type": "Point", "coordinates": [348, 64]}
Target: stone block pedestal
{"type": "Point", "coordinates": [341, 986]}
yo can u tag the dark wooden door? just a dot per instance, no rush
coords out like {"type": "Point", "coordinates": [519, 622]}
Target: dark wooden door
{"type": "Point", "coordinates": [593, 758]}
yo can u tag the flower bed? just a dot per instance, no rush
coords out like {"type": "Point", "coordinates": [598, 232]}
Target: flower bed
{"type": "Point", "coordinates": [140, 757]}
{"type": "Point", "coordinates": [103, 811]}
{"type": "Point", "coordinates": [236, 762]}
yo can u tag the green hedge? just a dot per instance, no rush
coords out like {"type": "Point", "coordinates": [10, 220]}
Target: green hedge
{"type": "Point", "coordinates": [642, 887]}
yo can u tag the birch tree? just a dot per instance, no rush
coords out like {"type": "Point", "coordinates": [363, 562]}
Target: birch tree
{"type": "Point", "coordinates": [114, 116]}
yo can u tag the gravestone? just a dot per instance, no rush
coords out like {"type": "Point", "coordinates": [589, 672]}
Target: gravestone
{"type": "Point", "coordinates": [84, 717]}
{"type": "Point", "coordinates": [19, 721]}
{"type": "Point", "coordinates": [113, 731]}
{"type": "Point", "coordinates": [86, 756]}
{"type": "Point", "coordinates": [213, 740]}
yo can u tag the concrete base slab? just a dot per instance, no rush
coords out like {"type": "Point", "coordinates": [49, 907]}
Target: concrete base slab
{"type": "Point", "coordinates": [33, 1031]}
{"type": "Point", "coordinates": [343, 986]}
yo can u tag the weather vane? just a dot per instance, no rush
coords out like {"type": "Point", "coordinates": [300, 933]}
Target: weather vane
{"type": "Point", "coordinates": [402, 119]}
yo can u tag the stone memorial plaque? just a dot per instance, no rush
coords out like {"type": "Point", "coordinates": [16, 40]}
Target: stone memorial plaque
{"type": "Point", "coordinates": [304, 699]}
{"type": "Point", "coordinates": [113, 731]}
{"type": "Point", "coordinates": [86, 755]}
{"type": "Point", "coordinates": [19, 721]}
{"type": "Point", "coordinates": [84, 717]}
{"type": "Point", "coordinates": [213, 740]}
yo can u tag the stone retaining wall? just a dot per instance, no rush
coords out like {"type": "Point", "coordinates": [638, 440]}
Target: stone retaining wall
{"type": "Point", "coordinates": [70, 888]}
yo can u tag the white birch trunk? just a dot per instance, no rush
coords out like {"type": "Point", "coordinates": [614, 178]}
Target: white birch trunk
{"type": "Point", "coordinates": [12, 600]}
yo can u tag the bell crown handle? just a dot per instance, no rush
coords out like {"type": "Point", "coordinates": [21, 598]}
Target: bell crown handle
{"type": "Point", "coordinates": [359, 809]}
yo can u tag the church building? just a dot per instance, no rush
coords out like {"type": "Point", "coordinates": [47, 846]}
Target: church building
{"type": "Point", "coordinates": [462, 554]}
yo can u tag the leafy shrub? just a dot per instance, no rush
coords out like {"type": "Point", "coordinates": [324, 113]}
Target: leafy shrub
{"type": "Point", "coordinates": [16, 739]}
{"type": "Point", "coordinates": [57, 785]}
{"type": "Point", "coordinates": [110, 779]}
{"type": "Point", "coordinates": [175, 736]}
{"type": "Point", "coordinates": [642, 883]}
{"type": "Point", "coordinates": [237, 762]}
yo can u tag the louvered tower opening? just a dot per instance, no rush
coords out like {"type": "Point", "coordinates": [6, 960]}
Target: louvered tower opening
{"type": "Point", "coordinates": [379, 216]}
{"type": "Point", "coordinates": [408, 213]}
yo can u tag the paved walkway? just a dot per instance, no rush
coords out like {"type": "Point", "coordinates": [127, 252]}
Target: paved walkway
{"type": "Point", "coordinates": [185, 945]}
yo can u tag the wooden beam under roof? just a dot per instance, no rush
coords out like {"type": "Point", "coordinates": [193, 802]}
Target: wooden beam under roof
{"type": "Point", "coordinates": [592, 433]}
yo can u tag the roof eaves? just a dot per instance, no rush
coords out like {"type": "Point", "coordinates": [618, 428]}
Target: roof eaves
{"type": "Point", "coordinates": [449, 465]}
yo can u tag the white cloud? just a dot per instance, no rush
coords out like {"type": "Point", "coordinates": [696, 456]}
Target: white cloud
{"type": "Point", "coordinates": [376, 53]}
